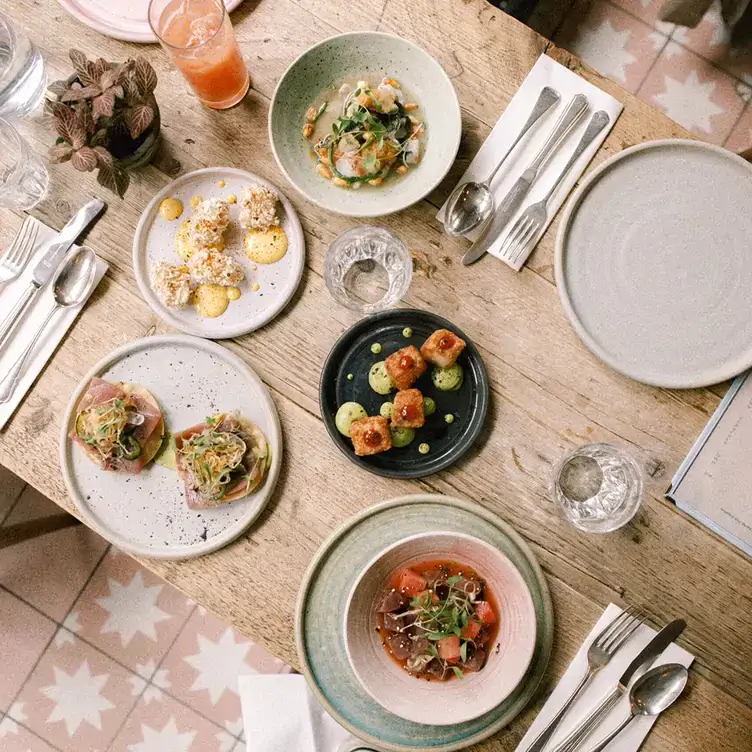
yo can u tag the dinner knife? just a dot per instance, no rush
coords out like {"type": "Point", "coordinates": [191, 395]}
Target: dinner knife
{"type": "Point", "coordinates": [514, 198]}
{"type": "Point", "coordinates": [634, 671]}
{"type": "Point", "coordinates": [47, 265]}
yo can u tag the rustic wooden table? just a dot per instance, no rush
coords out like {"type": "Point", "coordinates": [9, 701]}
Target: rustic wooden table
{"type": "Point", "coordinates": [549, 394]}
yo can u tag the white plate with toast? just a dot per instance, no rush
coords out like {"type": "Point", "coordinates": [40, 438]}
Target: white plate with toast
{"type": "Point", "coordinates": [146, 514]}
{"type": "Point", "coordinates": [266, 289]}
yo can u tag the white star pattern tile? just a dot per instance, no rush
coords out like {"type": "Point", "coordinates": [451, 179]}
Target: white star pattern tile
{"type": "Point", "coordinates": [218, 664]}
{"type": "Point", "coordinates": [204, 665]}
{"type": "Point", "coordinates": [612, 41]}
{"type": "Point", "coordinates": [130, 613]}
{"type": "Point", "coordinates": [132, 609]}
{"type": "Point", "coordinates": [695, 93]}
{"type": "Point", "coordinates": [77, 697]}
{"type": "Point", "coordinates": [170, 726]}
{"type": "Point", "coordinates": [169, 737]}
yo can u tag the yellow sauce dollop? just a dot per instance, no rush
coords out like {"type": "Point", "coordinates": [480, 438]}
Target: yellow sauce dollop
{"type": "Point", "coordinates": [183, 245]}
{"type": "Point", "coordinates": [232, 199]}
{"type": "Point", "coordinates": [170, 209]}
{"type": "Point", "coordinates": [210, 300]}
{"type": "Point", "coordinates": [233, 293]}
{"type": "Point", "coordinates": [221, 184]}
{"type": "Point", "coordinates": [266, 247]}
{"type": "Point", "coordinates": [195, 201]}
{"type": "Point", "coordinates": [255, 287]}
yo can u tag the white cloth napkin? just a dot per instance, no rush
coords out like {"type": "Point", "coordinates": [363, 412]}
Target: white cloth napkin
{"type": "Point", "coordinates": [632, 737]}
{"type": "Point", "coordinates": [545, 72]}
{"type": "Point", "coordinates": [281, 714]}
{"type": "Point", "coordinates": [33, 318]}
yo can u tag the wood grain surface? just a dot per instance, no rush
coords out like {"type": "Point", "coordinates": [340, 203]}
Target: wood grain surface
{"type": "Point", "coordinates": [549, 394]}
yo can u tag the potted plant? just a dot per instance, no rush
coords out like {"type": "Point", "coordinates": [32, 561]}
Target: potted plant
{"type": "Point", "coordinates": [107, 118]}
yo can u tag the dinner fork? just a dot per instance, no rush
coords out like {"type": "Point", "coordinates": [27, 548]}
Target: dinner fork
{"type": "Point", "coordinates": [602, 649]}
{"type": "Point", "coordinates": [17, 256]}
{"type": "Point", "coordinates": [534, 218]}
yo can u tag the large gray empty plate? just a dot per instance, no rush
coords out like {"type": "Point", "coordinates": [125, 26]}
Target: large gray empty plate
{"type": "Point", "coordinates": [654, 263]}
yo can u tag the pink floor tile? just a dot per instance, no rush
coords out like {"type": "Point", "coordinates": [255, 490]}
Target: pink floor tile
{"type": "Point", "coordinates": [130, 613]}
{"type": "Point", "coordinates": [646, 10]}
{"type": "Point", "coordinates": [10, 488]}
{"type": "Point", "coordinates": [204, 664]}
{"type": "Point", "coordinates": [16, 738]}
{"type": "Point", "coordinates": [613, 42]}
{"type": "Point", "coordinates": [24, 634]}
{"type": "Point", "coordinates": [48, 571]}
{"type": "Point", "coordinates": [694, 93]}
{"type": "Point", "coordinates": [77, 698]}
{"type": "Point", "coordinates": [741, 137]}
{"type": "Point", "coordinates": [164, 724]}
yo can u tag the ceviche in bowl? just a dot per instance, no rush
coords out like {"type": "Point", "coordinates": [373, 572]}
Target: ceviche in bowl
{"type": "Point", "coordinates": [363, 134]}
{"type": "Point", "coordinates": [365, 123]}
{"type": "Point", "coordinates": [440, 628]}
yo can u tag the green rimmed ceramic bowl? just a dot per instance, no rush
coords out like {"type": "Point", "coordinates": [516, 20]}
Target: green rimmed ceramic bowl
{"type": "Point", "coordinates": [367, 54]}
{"type": "Point", "coordinates": [319, 623]}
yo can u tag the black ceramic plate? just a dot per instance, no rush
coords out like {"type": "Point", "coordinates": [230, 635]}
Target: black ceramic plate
{"type": "Point", "coordinates": [448, 441]}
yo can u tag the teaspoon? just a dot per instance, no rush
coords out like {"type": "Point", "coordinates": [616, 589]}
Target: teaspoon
{"type": "Point", "coordinates": [71, 286]}
{"type": "Point", "coordinates": [472, 203]}
{"type": "Point", "coordinates": [651, 694]}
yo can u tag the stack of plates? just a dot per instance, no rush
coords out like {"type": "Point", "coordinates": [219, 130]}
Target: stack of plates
{"type": "Point", "coordinates": [319, 626]}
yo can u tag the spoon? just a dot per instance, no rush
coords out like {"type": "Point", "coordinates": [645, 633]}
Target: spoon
{"type": "Point", "coordinates": [472, 203]}
{"type": "Point", "coordinates": [71, 285]}
{"type": "Point", "coordinates": [651, 694]}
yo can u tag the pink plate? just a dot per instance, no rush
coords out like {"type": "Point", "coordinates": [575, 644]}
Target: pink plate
{"type": "Point", "coordinates": [456, 700]}
{"type": "Point", "coordinates": [126, 19]}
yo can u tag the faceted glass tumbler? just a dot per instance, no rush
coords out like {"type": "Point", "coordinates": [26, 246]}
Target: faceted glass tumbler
{"type": "Point", "coordinates": [598, 488]}
{"type": "Point", "coordinates": [368, 269]}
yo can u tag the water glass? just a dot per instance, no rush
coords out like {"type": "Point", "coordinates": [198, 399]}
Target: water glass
{"type": "Point", "coordinates": [22, 75]}
{"type": "Point", "coordinates": [598, 488]}
{"type": "Point", "coordinates": [23, 176]}
{"type": "Point", "coordinates": [368, 269]}
{"type": "Point", "coordinates": [199, 37]}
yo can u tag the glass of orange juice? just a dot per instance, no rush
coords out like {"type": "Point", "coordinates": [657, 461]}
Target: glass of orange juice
{"type": "Point", "coordinates": [201, 41]}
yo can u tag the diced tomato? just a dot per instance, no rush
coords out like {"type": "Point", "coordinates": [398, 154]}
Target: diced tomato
{"type": "Point", "coordinates": [423, 595]}
{"type": "Point", "coordinates": [485, 613]}
{"type": "Point", "coordinates": [471, 630]}
{"type": "Point", "coordinates": [410, 582]}
{"type": "Point", "coordinates": [449, 649]}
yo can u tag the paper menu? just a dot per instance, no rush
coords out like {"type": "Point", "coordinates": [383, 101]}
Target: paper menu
{"type": "Point", "coordinates": [714, 483]}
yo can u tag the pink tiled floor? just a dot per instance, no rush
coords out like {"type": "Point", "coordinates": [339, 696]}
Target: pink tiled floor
{"type": "Point", "coordinates": [688, 73]}
{"type": "Point", "coordinates": [100, 654]}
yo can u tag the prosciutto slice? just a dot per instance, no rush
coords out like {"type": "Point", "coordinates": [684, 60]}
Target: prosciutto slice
{"type": "Point", "coordinates": [245, 479]}
{"type": "Point", "coordinates": [100, 392]}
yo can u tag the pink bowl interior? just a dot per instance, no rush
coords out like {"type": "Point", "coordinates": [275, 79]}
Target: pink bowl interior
{"type": "Point", "coordinates": [456, 700]}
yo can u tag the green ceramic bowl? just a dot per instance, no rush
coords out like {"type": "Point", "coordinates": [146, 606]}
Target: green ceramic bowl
{"type": "Point", "coordinates": [371, 55]}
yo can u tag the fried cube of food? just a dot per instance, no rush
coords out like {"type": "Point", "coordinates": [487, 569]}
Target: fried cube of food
{"type": "Point", "coordinates": [443, 348]}
{"type": "Point", "coordinates": [408, 409]}
{"type": "Point", "coordinates": [370, 435]}
{"type": "Point", "coordinates": [405, 366]}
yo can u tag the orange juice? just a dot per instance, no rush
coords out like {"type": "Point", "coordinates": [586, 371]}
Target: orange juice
{"type": "Point", "coordinates": [200, 38]}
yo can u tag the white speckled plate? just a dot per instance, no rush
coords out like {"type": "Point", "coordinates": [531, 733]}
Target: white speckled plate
{"type": "Point", "coordinates": [155, 241]}
{"type": "Point", "coordinates": [146, 514]}
{"type": "Point", "coordinates": [120, 19]}
{"type": "Point", "coordinates": [653, 265]}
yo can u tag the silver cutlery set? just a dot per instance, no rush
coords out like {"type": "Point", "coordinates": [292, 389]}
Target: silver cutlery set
{"type": "Point", "coordinates": [650, 690]}
{"type": "Point", "coordinates": [70, 278]}
{"type": "Point", "coordinates": [472, 204]}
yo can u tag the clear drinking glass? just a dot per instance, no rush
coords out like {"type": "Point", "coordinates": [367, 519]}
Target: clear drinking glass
{"type": "Point", "coordinates": [23, 176]}
{"type": "Point", "coordinates": [22, 75]}
{"type": "Point", "coordinates": [199, 37]}
{"type": "Point", "coordinates": [598, 488]}
{"type": "Point", "coordinates": [368, 269]}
